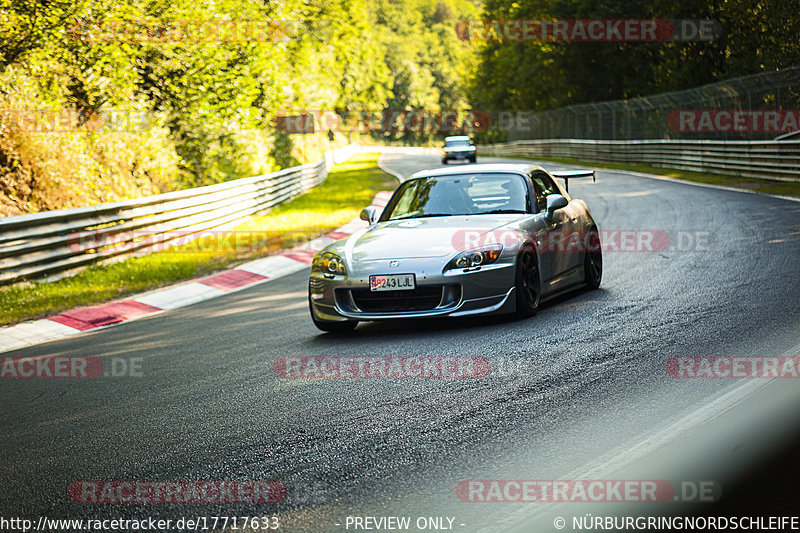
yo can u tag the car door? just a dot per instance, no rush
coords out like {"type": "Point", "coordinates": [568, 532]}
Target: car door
{"type": "Point", "coordinates": [574, 232]}
{"type": "Point", "coordinates": [548, 261]}
{"type": "Point", "coordinates": [558, 248]}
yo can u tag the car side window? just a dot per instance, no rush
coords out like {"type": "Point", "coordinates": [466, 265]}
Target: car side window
{"type": "Point", "coordinates": [403, 204]}
{"type": "Point", "coordinates": [544, 187]}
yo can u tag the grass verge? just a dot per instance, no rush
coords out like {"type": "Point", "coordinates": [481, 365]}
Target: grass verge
{"type": "Point", "coordinates": [783, 188]}
{"type": "Point", "coordinates": [349, 187]}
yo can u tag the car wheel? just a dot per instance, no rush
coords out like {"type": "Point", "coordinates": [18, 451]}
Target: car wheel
{"type": "Point", "coordinates": [473, 159]}
{"type": "Point", "coordinates": [593, 260]}
{"type": "Point", "coordinates": [444, 161]}
{"type": "Point", "coordinates": [330, 326]}
{"type": "Point", "coordinates": [528, 285]}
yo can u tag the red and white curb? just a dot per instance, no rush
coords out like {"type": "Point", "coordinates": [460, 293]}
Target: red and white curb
{"type": "Point", "coordinates": [187, 293]}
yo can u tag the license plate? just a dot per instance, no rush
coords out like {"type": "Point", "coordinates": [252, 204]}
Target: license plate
{"type": "Point", "coordinates": [393, 282]}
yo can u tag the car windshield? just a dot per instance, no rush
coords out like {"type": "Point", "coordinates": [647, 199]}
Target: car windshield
{"type": "Point", "coordinates": [456, 143]}
{"type": "Point", "coordinates": [463, 194]}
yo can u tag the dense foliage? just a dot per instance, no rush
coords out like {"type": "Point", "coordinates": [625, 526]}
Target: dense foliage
{"type": "Point", "coordinates": [530, 75]}
{"type": "Point", "coordinates": [103, 99]}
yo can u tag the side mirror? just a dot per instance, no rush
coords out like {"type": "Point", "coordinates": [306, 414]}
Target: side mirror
{"type": "Point", "coordinates": [370, 214]}
{"type": "Point", "coordinates": [554, 203]}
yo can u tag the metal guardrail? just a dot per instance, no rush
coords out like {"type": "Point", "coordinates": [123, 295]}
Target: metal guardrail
{"type": "Point", "coordinates": [773, 160]}
{"type": "Point", "coordinates": [40, 244]}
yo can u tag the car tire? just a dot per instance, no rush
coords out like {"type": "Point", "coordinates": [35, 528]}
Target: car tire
{"type": "Point", "coordinates": [329, 326]}
{"type": "Point", "coordinates": [444, 161]}
{"type": "Point", "coordinates": [527, 283]}
{"type": "Point", "coordinates": [473, 159]}
{"type": "Point", "coordinates": [593, 260]}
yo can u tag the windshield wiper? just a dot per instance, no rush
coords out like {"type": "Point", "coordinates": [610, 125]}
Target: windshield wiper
{"type": "Point", "coordinates": [500, 212]}
{"type": "Point", "coordinates": [427, 215]}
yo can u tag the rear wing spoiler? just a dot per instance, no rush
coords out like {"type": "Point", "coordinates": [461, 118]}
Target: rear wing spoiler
{"type": "Point", "coordinates": [567, 174]}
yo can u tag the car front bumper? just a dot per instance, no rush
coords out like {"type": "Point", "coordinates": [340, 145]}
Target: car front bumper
{"type": "Point", "coordinates": [489, 290]}
{"type": "Point", "coordinates": [466, 155]}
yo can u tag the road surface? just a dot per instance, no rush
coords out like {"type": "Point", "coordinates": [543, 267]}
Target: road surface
{"type": "Point", "coordinates": [580, 391]}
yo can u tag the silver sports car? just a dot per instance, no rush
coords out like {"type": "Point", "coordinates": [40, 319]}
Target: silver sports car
{"type": "Point", "coordinates": [495, 238]}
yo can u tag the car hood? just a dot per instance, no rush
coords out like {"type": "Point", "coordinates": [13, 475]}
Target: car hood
{"type": "Point", "coordinates": [421, 237]}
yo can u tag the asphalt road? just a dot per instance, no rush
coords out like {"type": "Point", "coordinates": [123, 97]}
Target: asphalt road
{"type": "Point", "coordinates": [578, 390]}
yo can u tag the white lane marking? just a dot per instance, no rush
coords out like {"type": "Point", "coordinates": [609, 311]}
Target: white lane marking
{"type": "Point", "coordinates": [626, 454]}
{"type": "Point", "coordinates": [661, 178]}
{"type": "Point", "coordinates": [382, 165]}
{"type": "Point", "coordinates": [407, 151]}
{"type": "Point", "coordinates": [637, 193]}
{"type": "Point", "coordinates": [8, 343]}
{"type": "Point", "coordinates": [319, 243]}
{"type": "Point", "coordinates": [698, 184]}
{"type": "Point", "coordinates": [353, 226]}
{"type": "Point", "coordinates": [28, 333]}
{"type": "Point", "coordinates": [38, 330]}
{"type": "Point", "coordinates": [180, 296]}
{"type": "Point", "coordinates": [274, 266]}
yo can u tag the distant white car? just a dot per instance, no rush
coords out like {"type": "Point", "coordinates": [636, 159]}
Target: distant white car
{"type": "Point", "coordinates": [457, 242]}
{"type": "Point", "coordinates": [458, 148]}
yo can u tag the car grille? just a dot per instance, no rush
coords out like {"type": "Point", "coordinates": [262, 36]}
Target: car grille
{"type": "Point", "coordinates": [419, 299]}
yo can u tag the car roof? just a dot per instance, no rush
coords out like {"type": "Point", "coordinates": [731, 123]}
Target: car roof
{"type": "Point", "coordinates": [457, 138]}
{"type": "Point", "coordinates": [515, 168]}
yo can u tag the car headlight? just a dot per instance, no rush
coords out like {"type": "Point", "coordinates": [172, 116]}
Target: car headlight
{"type": "Point", "coordinates": [328, 263]}
{"type": "Point", "coordinates": [485, 255]}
